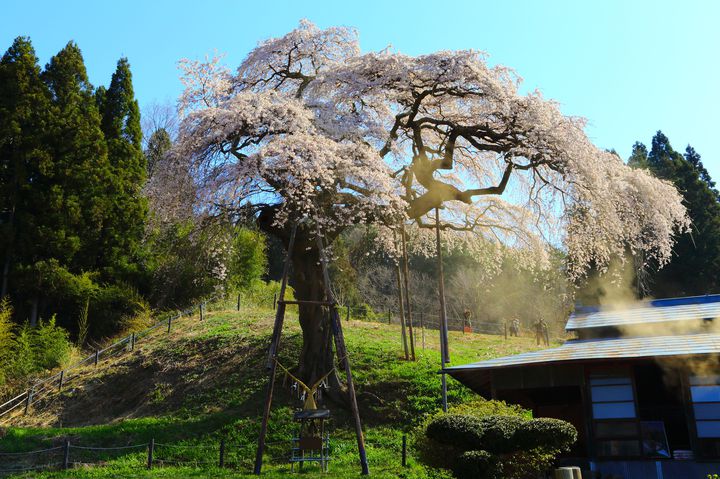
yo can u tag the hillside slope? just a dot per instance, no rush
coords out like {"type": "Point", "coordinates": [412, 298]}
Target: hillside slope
{"type": "Point", "coordinates": [205, 380]}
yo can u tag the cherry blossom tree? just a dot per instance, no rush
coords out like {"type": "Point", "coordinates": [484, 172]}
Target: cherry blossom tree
{"type": "Point", "coordinates": [309, 127]}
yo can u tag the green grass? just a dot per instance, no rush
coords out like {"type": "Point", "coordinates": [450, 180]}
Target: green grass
{"type": "Point", "coordinates": [206, 380]}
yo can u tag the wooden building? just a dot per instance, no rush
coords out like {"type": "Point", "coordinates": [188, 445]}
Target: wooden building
{"type": "Point", "coordinates": [641, 384]}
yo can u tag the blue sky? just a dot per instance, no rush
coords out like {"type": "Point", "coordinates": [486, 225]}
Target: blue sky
{"type": "Point", "coordinates": [629, 67]}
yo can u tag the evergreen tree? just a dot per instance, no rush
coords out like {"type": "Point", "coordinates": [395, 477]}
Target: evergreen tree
{"type": "Point", "coordinates": [25, 162]}
{"type": "Point", "coordinates": [695, 266]}
{"type": "Point", "coordinates": [639, 156]}
{"type": "Point", "coordinates": [158, 145]}
{"type": "Point", "coordinates": [80, 154]}
{"type": "Point", "coordinates": [123, 135]}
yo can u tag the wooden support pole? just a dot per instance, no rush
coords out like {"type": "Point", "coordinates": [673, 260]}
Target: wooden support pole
{"type": "Point", "coordinates": [202, 311]}
{"type": "Point", "coordinates": [62, 379]}
{"type": "Point", "coordinates": [272, 355]}
{"type": "Point", "coordinates": [238, 302]}
{"type": "Point", "coordinates": [444, 354]}
{"type": "Point", "coordinates": [406, 274]}
{"type": "Point", "coordinates": [66, 454]}
{"type": "Point", "coordinates": [169, 323]}
{"type": "Point", "coordinates": [404, 450]}
{"type": "Point", "coordinates": [422, 329]}
{"type": "Point", "coordinates": [403, 334]}
{"type": "Point", "coordinates": [151, 450]}
{"type": "Point", "coordinates": [221, 462]}
{"type": "Point", "coordinates": [343, 358]}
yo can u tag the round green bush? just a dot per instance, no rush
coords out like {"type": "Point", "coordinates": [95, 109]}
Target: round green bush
{"type": "Point", "coordinates": [498, 433]}
{"type": "Point", "coordinates": [460, 431]}
{"type": "Point", "coordinates": [546, 433]}
{"type": "Point", "coordinates": [477, 465]}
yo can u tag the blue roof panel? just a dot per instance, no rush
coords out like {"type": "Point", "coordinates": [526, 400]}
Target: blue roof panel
{"type": "Point", "coordinates": [609, 348]}
{"type": "Point", "coordinates": [657, 311]}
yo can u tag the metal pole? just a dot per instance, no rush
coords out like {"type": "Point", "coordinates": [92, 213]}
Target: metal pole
{"type": "Point", "coordinates": [274, 345]}
{"type": "Point", "coordinates": [407, 291]}
{"type": "Point", "coordinates": [402, 313]}
{"type": "Point", "coordinates": [444, 355]}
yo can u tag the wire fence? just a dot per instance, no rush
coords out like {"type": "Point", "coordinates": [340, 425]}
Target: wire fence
{"type": "Point", "coordinates": [42, 389]}
{"type": "Point", "coordinates": [153, 454]}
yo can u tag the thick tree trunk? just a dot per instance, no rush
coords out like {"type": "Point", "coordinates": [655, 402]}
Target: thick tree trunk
{"type": "Point", "coordinates": [316, 356]}
{"type": "Point", "coordinates": [306, 278]}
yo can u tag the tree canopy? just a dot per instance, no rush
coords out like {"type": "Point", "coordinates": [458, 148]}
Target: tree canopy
{"type": "Point", "coordinates": [308, 126]}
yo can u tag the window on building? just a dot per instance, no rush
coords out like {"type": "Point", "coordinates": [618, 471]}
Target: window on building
{"type": "Point", "coordinates": [705, 396]}
{"type": "Point", "coordinates": [614, 417]}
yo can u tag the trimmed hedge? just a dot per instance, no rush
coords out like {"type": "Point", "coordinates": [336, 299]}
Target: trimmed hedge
{"type": "Point", "coordinates": [546, 432]}
{"type": "Point", "coordinates": [477, 464]}
{"type": "Point", "coordinates": [463, 432]}
{"type": "Point", "coordinates": [497, 446]}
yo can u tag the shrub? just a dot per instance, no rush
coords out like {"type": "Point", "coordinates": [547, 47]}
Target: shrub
{"type": "Point", "coordinates": [50, 345]}
{"type": "Point", "coordinates": [459, 431]}
{"type": "Point", "coordinates": [503, 446]}
{"type": "Point", "coordinates": [6, 338]}
{"type": "Point", "coordinates": [499, 433]}
{"type": "Point", "coordinates": [476, 465]}
{"type": "Point", "coordinates": [248, 259]}
{"type": "Point", "coordinates": [261, 293]}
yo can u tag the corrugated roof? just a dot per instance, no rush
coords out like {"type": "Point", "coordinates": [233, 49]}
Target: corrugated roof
{"type": "Point", "coordinates": [608, 348]}
{"type": "Point", "coordinates": [658, 311]}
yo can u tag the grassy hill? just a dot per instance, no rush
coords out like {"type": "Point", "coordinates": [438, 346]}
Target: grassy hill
{"type": "Point", "coordinates": [206, 380]}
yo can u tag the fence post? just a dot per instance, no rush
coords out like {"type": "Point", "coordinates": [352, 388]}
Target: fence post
{"type": "Point", "coordinates": [505, 328]}
{"type": "Point", "coordinates": [97, 356]}
{"type": "Point", "coordinates": [238, 304]}
{"type": "Point", "coordinates": [202, 311]}
{"type": "Point", "coordinates": [422, 329]}
{"type": "Point", "coordinates": [151, 448]}
{"type": "Point", "coordinates": [28, 401]}
{"type": "Point", "coordinates": [62, 378]}
{"type": "Point", "coordinates": [169, 323]}
{"type": "Point", "coordinates": [404, 450]}
{"type": "Point", "coordinates": [221, 463]}
{"type": "Point", "coordinates": [132, 342]}
{"type": "Point", "coordinates": [274, 301]}
{"type": "Point", "coordinates": [66, 454]}
{"type": "Point", "coordinates": [347, 318]}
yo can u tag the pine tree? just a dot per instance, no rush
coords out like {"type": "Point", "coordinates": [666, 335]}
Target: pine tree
{"type": "Point", "coordinates": [82, 169]}
{"type": "Point", "coordinates": [123, 135]}
{"type": "Point", "coordinates": [639, 156]}
{"type": "Point", "coordinates": [26, 165]}
{"type": "Point", "coordinates": [695, 266]}
{"type": "Point", "coordinates": [158, 145]}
